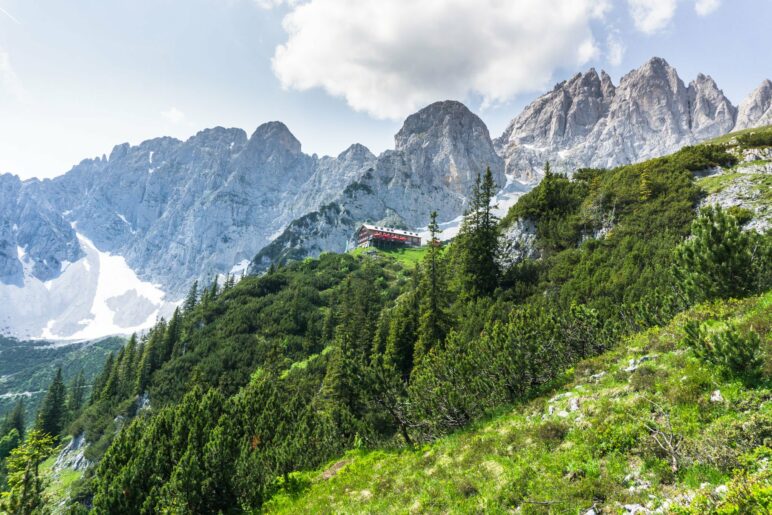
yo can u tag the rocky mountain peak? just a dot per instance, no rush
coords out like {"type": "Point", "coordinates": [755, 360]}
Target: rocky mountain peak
{"type": "Point", "coordinates": [654, 67]}
{"type": "Point", "coordinates": [219, 136]}
{"type": "Point", "coordinates": [275, 136]}
{"type": "Point", "coordinates": [587, 121]}
{"type": "Point", "coordinates": [590, 80]}
{"type": "Point", "coordinates": [356, 152]}
{"type": "Point", "coordinates": [711, 113]}
{"type": "Point", "coordinates": [756, 109]}
{"type": "Point", "coordinates": [655, 81]}
{"type": "Point", "coordinates": [440, 119]}
{"type": "Point", "coordinates": [554, 121]}
{"type": "Point", "coordinates": [446, 144]}
{"type": "Point", "coordinates": [606, 84]}
{"type": "Point", "coordinates": [119, 151]}
{"type": "Point", "coordinates": [273, 153]}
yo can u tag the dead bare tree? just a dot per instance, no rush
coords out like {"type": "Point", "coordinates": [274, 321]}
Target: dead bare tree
{"type": "Point", "coordinates": [665, 436]}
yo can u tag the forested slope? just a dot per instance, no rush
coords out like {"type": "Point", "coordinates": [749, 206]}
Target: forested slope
{"type": "Point", "coordinates": [27, 367]}
{"type": "Point", "coordinates": [600, 439]}
{"type": "Point", "coordinates": [217, 408]}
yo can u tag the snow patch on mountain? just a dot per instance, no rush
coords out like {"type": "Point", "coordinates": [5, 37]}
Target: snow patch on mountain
{"type": "Point", "coordinates": [240, 268]}
{"type": "Point", "coordinates": [95, 296]}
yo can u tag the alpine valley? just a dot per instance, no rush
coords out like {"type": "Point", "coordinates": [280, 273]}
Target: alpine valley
{"type": "Point", "coordinates": [193, 327]}
{"type": "Point", "coordinates": [113, 244]}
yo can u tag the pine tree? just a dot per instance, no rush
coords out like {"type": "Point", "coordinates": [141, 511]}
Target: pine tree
{"type": "Point", "coordinates": [479, 241]}
{"type": "Point", "coordinates": [338, 394]}
{"type": "Point", "coordinates": [403, 322]}
{"type": "Point", "coordinates": [433, 325]}
{"type": "Point", "coordinates": [192, 299]}
{"type": "Point", "coordinates": [720, 260]}
{"type": "Point", "coordinates": [214, 288]}
{"type": "Point", "coordinates": [53, 412]}
{"type": "Point", "coordinates": [171, 337]}
{"type": "Point", "coordinates": [25, 486]}
{"type": "Point", "coordinates": [230, 282]}
{"type": "Point", "coordinates": [645, 186]}
{"type": "Point", "coordinates": [737, 354]}
{"type": "Point", "coordinates": [127, 371]}
{"type": "Point", "coordinates": [15, 420]}
{"type": "Point", "coordinates": [330, 322]}
{"type": "Point", "coordinates": [147, 364]}
{"type": "Point", "coordinates": [210, 294]}
{"type": "Point", "coordinates": [76, 395]}
{"type": "Point", "coordinates": [8, 441]}
{"type": "Point", "coordinates": [112, 387]}
{"type": "Point", "coordinates": [101, 381]}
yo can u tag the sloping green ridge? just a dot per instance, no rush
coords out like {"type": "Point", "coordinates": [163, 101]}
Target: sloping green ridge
{"type": "Point", "coordinates": [584, 444]}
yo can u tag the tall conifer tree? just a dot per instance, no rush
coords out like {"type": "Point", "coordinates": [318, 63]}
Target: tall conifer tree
{"type": "Point", "coordinates": [53, 411]}
{"type": "Point", "coordinates": [433, 325]}
{"type": "Point", "coordinates": [479, 241]}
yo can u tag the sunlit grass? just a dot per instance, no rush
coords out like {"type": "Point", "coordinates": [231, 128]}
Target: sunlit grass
{"type": "Point", "coordinates": [543, 456]}
{"type": "Point", "coordinates": [406, 256]}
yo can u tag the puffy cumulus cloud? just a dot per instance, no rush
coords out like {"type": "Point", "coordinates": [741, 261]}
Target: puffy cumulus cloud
{"type": "Point", "coordinates": [650, 16]}
{"type": "Point", "coordinates": [705, 7]}
{"type": "Point", "coordinates": [390, 57]}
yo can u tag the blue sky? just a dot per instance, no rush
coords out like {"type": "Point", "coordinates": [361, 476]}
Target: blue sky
{"type": "Point", "coordinates": [80, 76]}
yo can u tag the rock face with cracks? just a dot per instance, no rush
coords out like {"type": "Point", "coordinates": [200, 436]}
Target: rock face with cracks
{"type": "Point", "coordinates": [587, 121]}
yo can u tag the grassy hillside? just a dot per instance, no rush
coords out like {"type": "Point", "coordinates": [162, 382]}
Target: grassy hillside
{"type": "Point", "coordinates": [589, 441]}
{"type": "Point", "coordinates": [732, 137]}
{"type": "Point", "coordinates": [746, 186]}
{"type": "Point", "coordinates": [408, 257]}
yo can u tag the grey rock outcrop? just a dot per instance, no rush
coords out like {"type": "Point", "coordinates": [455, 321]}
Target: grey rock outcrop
{"type": "Point", "coordinates": [555, 122]}
{"type": "Point", "coordinates": [446, 145]}
{"type": "Point", "coordinates": [72, 456]}
{"type": "Point", "coordinates": [519, 243]}
{"type": "Point", "coordinates": [746, 190]}
{"type": "Point", "coordinates": [711, 114]}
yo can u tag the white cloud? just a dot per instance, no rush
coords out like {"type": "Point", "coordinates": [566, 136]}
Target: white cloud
{"type": "Point", "coordinates": [173, 115]}
{"type": "Point", "coordinates": [390, 57]}
{"type": "Point", "coordinates": [705, 7]}
{"type": "Point", "coordinates": [615, 48]}
{"type": "Point", "coordinates": [651, 16]}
